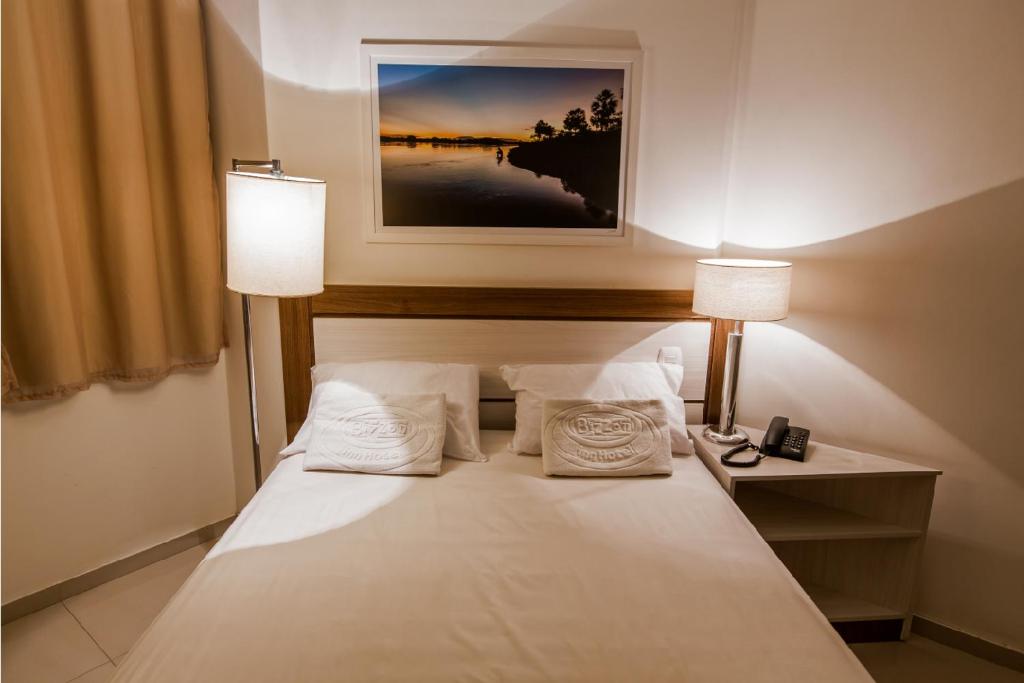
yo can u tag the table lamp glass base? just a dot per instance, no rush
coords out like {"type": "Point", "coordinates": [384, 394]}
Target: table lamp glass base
{"type": "Point", "coordinates": [735, 437]}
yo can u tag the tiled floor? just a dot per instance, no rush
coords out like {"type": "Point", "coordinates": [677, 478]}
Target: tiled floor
{"type": "Point", "coordinates": [84, 638]}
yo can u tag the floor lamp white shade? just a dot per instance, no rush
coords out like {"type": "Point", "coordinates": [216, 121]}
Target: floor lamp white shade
{"type": "Point", "coordinates": [275, 247]}
{"type": "Point", "coordinates": [738, 290]}
{"type": "Point", "coordinates": [275, 234]}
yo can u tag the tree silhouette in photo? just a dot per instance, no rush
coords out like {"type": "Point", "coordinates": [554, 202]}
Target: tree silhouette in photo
{"type": "Point", "coordinates": [542, 130]}
{"type": "Point", "coordinates": [575, 122]}
{"type": "Point", "coordinates": [604, 114]}
{"type": "Point", "coordinates": [584, 155]}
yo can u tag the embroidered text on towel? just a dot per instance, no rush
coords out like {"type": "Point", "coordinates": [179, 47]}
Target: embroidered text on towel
{"type": "Point", "coordinates": [602, 435]}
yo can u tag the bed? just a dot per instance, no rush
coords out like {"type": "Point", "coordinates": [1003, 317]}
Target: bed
{"type": "Point", "coordinates": [490, 571]}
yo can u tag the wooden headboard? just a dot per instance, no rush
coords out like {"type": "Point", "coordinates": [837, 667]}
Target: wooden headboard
{"type": "Point", "coordinates": [481, 303]}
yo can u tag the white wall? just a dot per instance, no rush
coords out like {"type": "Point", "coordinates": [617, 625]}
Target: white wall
{"type": "Point", "coordinates": [109, 472]}
{"type": "Point", "coordinates": [880, 146]}
{"type": "Point", "coordinates": [310, 51]}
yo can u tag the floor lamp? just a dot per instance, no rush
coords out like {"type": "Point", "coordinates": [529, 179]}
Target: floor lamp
{"type": "Point", "coordinates": [275, 245]}
{"type": "Point", "coordinates": [738, 290]}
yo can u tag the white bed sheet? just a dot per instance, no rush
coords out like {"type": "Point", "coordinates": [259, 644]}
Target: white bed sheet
{"type": "Point", "coordinates": [490, 572]}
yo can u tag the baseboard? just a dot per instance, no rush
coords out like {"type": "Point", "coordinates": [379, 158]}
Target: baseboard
{"type": "Point", "coordinates": [34, 602]}
{"type": "Point", "coordinates": [973, 645]}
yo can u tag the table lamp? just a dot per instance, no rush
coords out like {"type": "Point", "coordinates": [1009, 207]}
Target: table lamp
{"type": "Point", "coordinates": [275, 245]}
{"type": "Point", "coordinates": [738, 290]}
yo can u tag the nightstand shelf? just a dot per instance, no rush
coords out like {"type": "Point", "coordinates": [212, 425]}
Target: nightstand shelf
{"type": "Point", "coordinates": [838, 607]}
{"type": "Point", "coordinates": [780, 517]}
{"type": "Point", "coordinates": [849, 526]}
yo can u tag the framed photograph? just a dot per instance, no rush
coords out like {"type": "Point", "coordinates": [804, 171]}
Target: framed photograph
{"type": "Point", "coordinates": [500, 145]}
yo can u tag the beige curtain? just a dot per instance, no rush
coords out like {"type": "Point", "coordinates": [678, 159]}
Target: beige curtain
{"type": "Point", "coordinates": [111, 237]}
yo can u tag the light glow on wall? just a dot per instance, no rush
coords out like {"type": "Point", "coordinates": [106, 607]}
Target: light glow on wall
{"type": "Point", "coordinates": [782, 371]}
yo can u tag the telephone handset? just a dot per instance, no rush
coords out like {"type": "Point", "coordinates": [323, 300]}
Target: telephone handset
{"type": "Point", "coordinates": [780, 441]}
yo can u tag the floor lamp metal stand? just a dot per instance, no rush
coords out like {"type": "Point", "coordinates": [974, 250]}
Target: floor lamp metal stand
{"type": "Point", "coordinates": [726, 431]}
{"type": "Point", "coordinates": [257, 462]}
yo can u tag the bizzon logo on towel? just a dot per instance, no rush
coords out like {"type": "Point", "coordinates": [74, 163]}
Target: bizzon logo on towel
{"type": "Point", "coordinates": [603, 436]}
{"type": "Point", "coordinates": [377, 426]}
{"type": "Point", "coordinates": [374, 430]}
{"type": "Point", "coordinates": [604, 428]}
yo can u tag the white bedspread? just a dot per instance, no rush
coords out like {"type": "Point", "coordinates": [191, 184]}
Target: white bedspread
{"type": "Point", "coordinates": [490, 572]}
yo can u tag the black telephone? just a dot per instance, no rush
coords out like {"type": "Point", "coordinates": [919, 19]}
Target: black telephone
{"type": "Point", "coordinates": [780, 441]}
{"type": "Point", "coordinates": [784, 441]}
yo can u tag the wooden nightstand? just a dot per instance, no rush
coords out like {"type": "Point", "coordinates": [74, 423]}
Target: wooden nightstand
{"type": "Point", "coordinates": [848, 525]}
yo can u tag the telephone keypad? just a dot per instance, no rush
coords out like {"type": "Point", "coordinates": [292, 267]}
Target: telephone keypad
{"type": "Point", "coordinates": [796, 440]}
{"type": "Point", "coordinates": [794, 444]}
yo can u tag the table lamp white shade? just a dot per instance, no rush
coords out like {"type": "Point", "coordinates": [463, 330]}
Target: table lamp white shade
{"type": "Point", "coordinates": [742, 289]}
{"type": "Point", "coordinates": [275, 234]}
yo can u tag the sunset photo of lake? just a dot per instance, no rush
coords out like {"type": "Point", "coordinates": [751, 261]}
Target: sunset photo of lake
{"type": "Point", "coordinates": [500, 146]}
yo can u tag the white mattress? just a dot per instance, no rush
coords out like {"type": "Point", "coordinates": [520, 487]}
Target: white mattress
{"type": "Point", "coordinates": [490, 572]}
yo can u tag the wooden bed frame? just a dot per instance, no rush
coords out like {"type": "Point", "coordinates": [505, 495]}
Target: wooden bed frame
{"type": "Point", "coordinates": [480, 303]}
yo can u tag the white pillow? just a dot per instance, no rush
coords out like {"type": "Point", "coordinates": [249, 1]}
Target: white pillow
{"type": "Point", "coordinates": [612, 438]}
{"type": "Point", "coordinates": [534, 383]}
{"type": "Point", "coordinates": [397, 434]}
{"type": "Point", "coordinates": [459, 383]}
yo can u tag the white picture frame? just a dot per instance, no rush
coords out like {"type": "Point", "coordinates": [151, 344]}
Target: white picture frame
{"type": "Point", "coordinates": [375, 53]}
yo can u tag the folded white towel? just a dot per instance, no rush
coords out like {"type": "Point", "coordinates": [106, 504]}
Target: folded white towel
{"type": "Point", "coordinates": [383, 434]}
{"type": "Point", "coordinates": [606, 438]}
